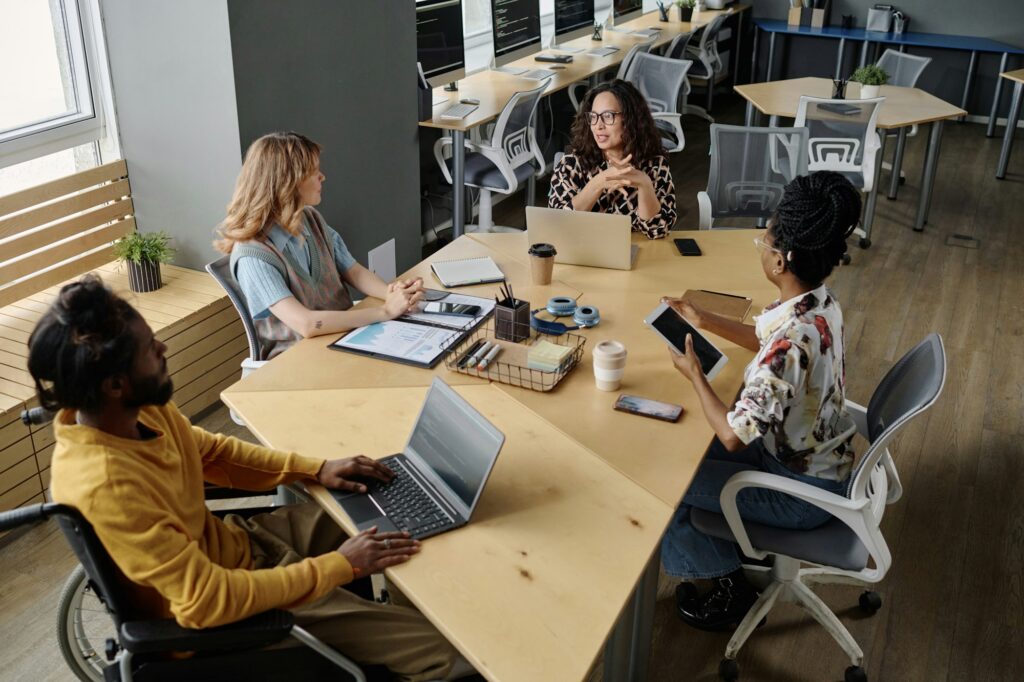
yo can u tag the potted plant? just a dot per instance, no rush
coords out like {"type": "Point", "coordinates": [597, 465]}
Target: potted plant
{"type": "Point", "coordinates": [870, 78]}
{"type": "Point", "coordinates": [144, 253]}
{"type": "Point", "coordinates": [685, 8]}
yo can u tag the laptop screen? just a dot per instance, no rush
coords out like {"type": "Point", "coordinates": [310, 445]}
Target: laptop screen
{"type": "Point", "coordinates": [456, 442]}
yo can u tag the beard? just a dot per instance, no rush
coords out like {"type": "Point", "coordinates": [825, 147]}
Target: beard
{"type": "Point", "coordinates": [150, 391]}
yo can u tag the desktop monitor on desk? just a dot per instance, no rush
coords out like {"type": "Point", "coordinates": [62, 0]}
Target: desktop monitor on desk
{"type": "Point", "coordinates": [573, 19]}
{"type": "Point", "coordinates": [516, 28]}
{"type": "Point", "coordinates": [440, 45]}
{"type": "Point", "coordinates": [624, 10]}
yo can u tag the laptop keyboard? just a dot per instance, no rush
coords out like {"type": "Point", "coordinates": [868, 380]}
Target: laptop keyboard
{"type": "Point", "coordinates": [407, 505]}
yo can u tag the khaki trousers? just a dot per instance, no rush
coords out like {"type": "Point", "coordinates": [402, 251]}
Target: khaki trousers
{"type": "Point", "coordinates": [398, 637]}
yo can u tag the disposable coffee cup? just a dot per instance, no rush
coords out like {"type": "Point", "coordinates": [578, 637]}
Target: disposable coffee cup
{"type": "Point", "coordinates": [609, 365]}
{"type": "Point", "coordinates": [542, 263]}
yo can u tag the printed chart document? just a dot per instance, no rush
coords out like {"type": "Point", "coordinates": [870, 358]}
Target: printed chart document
{"type": "Point", "coordinates": [455, 321]}
{"type": "Point", "coordinates": [467, 271]}
{"type": "Point", "coordinates": [407, 342]}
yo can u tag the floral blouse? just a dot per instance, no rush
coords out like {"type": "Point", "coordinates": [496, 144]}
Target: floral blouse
{"type": "Point", "coordinates": [794, 389]}
{"type": "Point", "coordinates": [568, 178]}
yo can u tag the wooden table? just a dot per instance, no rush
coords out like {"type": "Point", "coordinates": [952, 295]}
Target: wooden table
{"type": "Point", "coordinates": [494, 88]}
{"type": "Point", "coordinates": [562, 556]}
{"type": "Point", "coordinates": [1011, 119]}
{"type": "Point", "coordinates": [903, 108]}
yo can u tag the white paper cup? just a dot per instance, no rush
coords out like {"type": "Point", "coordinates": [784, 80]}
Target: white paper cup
{"type": "Point", "coordinates": [609, 364]}
{"type": "Point", "coordinates": [608, 379]}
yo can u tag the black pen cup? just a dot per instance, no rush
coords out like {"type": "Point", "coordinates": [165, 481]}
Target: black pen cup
{"type": "Point", "coordinates": [512, 320]}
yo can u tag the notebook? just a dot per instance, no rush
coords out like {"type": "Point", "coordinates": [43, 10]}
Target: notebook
{"type": "Point", "coordinates": [467, 271]}
{"type": "Point", "coordinates": [727, 305]}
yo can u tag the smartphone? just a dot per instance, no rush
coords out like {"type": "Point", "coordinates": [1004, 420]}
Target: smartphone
{"type": "Point", "coordinates": [672, 327]}
{"type": "Point", "coordinates": [645, 407]}
{"type": "Point", "coordinates": [443, 308]}
{"type": "Point", "coordinates": [687, 247]}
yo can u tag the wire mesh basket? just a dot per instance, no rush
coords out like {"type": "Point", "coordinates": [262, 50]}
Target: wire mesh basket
{"type": "Point", "coordinates": [510, 366]}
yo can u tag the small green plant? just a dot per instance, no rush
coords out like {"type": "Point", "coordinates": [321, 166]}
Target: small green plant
{"type": "Point", "coordinates": [686, 4]}
{"type": "Point", "coordinates": [870, 75]}
{"type": "Point", "coordinates": [152, 247]}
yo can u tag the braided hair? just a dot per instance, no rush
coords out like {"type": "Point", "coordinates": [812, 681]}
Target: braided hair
{"type": "Point", "coordinates": [816, 215]}
{"type": "Point", "coordinates": [84, 338]}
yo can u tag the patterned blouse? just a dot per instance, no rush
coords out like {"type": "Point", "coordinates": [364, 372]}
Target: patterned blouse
{"type": "Point", "coordinates": [568, 178]}
{"type": "Point", "coordinates": [794, 388]}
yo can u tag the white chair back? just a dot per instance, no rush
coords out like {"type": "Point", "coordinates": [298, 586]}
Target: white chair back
{"type": "Point", "coordinates": [843, 136]}
{"type": "Point", "coordinates": [659, 79]}
{"type": "Point", "coordinates": [514, 132]}
{"type": "Point", "coordinates": [903, 69]}
{"type": "Point", "coordinates": [628, 59]}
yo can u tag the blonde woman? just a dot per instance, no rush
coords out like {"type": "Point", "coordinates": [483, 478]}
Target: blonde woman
{"type": "Point", "coordinates": [290, 264]}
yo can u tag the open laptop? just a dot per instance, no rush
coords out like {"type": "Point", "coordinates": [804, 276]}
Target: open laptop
{"type": "Point", "coordinates": [438, 476]}
{"type": "Point", "coordinates": [600, 240]}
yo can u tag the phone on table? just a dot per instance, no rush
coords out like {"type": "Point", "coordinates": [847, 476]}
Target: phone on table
{"type": "Point", "coordinates": [687, 247]}
{"type": "Point", "coordinates": [645, 407]}
{"type": "Point", "coordinates": [443, 308]}
{"type": "Point", "coordinates": [672, 327]}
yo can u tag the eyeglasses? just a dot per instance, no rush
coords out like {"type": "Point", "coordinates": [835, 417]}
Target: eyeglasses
{"type": "Point", "coordinates": [761, 244]}
{"type": "Point", "coordinates": [607, 116]}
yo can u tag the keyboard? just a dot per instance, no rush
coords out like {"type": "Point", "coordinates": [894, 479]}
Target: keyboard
{"type": "Point", "coordinates": [460, 110]}
{"type": "Point", "coordinates": [602, 51]}
{"type": "Point", "coordinates": [538, 74]}
{"type": "Point", "coordinates": [646, 32]}
{"type": "Point", "coordinates": [407, 505]}
{"type": "Point", "coordinates": [514, 70]}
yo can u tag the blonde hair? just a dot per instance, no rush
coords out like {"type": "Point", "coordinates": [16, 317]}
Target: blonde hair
{"type": "Point", "coordinates": [268, 188]}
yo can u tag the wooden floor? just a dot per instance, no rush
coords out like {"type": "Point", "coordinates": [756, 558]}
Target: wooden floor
{"type": "Point", "coordinates": [954, 599]}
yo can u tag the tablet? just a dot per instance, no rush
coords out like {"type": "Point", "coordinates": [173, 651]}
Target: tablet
{"type": "Point", "coordinates": [671, 326]}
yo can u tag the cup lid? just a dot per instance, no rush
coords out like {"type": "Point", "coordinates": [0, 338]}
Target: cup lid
{"type": "Point", "coordinates": [610, 349]}
{"type": "Point", "coordinates": [542, 250]}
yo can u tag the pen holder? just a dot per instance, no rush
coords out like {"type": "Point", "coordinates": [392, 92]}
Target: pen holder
{"type": "Point", "coordinates": [838, 89]}
{"type": "Point", "coordinates": [512, 320]}
{"type": "Point", "coordinates": [426, 104]}
{"type": "Point", "coordinates": [662, 13]}
{"type": "Point", "coordinates": [597, 32]}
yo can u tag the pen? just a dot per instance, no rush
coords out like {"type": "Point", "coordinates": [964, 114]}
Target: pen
{"type": "Point", "coordinates": [464, 360]}
{"type": "Point", "coordinates": [477, 356]}
{"type": "Point", "coordinates": [719, 293]}
{"type": "Point", "coordinates": [487, 358]}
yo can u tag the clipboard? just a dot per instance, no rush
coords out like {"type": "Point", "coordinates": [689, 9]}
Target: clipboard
{"type": "Point", "coordinates": [733, 306]}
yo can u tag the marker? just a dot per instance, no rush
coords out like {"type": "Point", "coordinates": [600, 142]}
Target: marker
{"type": "Point", "coordinates": [464, 360]}
{"type": "Point", "coordinates": [487, 358]}
{"type": "Point", "coordinates": [478, 356]}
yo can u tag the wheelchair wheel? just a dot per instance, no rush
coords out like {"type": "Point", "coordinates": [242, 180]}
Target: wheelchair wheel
{"type": "Point", "coordinates": [83, 626]}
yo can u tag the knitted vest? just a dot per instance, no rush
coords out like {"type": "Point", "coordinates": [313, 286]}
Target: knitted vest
{"type": "Point", "coordinates": [322, 289]}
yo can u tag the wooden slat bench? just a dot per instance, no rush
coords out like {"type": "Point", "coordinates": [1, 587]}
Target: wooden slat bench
{"type": "Point", "coordinates": [56, 232]}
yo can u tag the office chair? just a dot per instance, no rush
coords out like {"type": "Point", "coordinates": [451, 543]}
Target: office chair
{"type": "Point", "coordinates": [677, 50]}
{"type": "Point", "coordinates": [661, 81]}
{"type": "Point", "coordinates": [749, 170]}
{"type": "Point", "coordinates": [708, 65]}
{"type": "Point", "coordinates": [503, 162]}
{"type": "Point", "coordinates": [841, 549]}
{"type": "Point", "coordinates": [904, 70]}
{"type": "Point", "coordinates": [577, 91]}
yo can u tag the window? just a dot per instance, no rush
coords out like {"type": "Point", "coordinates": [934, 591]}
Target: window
{"type": "Point", "coordinates": [48, 79]}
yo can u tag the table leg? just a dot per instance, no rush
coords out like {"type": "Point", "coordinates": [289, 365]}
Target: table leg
{"type": "Point", "coordinates": [749, 120]}
{"type": "Point", "coordinates": [1011, 128]}
{"type": "Point", "coordinates": [897, 163]}
{"type": "Point", "coordinates": [771, 58]}
{"type": "Point", "coordinates": [736, 59]}
{"type": "Point", "coordinates": [753, 57]}
{"type": "Point", "coordinates": [628, 649]}
{"type": "Point", "coordinates": [864, 53]}
{"type": "Point", "coordinates": [839, 58]}
{"type": "Point", "coordinates": [869, 208]}
{"type": "Point", "coordinates": [928, 177]}
{"type": "Point", "coordinates": [458, 183]}
{"type": "Point", "coordinates": [994, 113]}
{"type": "Point", "coordinates": [773, 121]}
{"type": "Point", "coordinates": [971, 68]}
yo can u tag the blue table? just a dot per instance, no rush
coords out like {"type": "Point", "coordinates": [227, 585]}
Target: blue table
{"type": "Point", "coordinates": [971, 44]}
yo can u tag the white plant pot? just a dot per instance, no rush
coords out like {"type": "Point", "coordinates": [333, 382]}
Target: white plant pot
{"type": "Point", "coordinates": [869, 91]}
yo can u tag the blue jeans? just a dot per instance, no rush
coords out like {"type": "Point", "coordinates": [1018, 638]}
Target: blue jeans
{"type": "Point", "coordinates": [688, 553]}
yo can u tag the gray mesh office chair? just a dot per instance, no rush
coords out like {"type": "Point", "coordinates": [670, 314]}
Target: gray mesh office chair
{"type": "Point", "coordinates": [708, 65]}
{"type": "Point", "coordinates": [843, 136]}
{"type": "Point", "coordinates": [850, 548]}
{"type": "Point", "coordinates": [577, 91]}
{"type": "Point", "coordinates": [904, 70]}
{"type": "Point", "coordinates": [510, 157]}
{"type": "Point", "coordinates": [750, 168]}
{"type": "Point", "coordinates": [677, 50]}
{"type": "Point", "coordinates": [661, 80]}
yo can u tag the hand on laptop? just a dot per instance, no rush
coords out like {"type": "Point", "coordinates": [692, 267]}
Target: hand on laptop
{"type": "Point", "coordinates": [338, 473]}
{"type": "Point", "coordinates": [372, 552]}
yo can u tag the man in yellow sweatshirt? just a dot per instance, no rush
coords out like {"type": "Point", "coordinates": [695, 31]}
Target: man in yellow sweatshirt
{"type": "Point", "coordinates": [134, 466]}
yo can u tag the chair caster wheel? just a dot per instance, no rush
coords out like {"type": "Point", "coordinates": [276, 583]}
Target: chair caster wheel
{"type": "Point", "coordinates": [903, 180]}
{"type": "Point", "coordinates": [864, 243]}
{"type": "Point", "coordinates": [846, 259]}
{"type": "Point", "coordinates": [685, 591]}
{"type": "Point", "coordinates": [855, 673]}
{"type": "Point", "coordinates": [729, 670]}
{"type": "Point", "coordinates": [870, 602]}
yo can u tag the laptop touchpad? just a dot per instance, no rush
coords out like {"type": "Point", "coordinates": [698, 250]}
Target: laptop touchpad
{"type": "Point", "coordinates": [364, 513]}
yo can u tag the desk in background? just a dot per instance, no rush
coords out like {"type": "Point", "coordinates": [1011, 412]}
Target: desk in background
{"type": "Point", "coordinates": [1011, 118]}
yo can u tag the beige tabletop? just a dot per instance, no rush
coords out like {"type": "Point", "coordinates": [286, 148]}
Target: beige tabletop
{"type": "Point", "coordinates": [505, 590]}
{"type": "Point", "coordinates": [1017, 75]}
{"type": "Point", "coordinates": [902, 107]}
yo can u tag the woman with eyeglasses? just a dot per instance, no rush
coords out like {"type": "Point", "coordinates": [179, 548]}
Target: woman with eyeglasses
{"type": "Point", "coordinates": [789, 418]}
{"type": "Point", "coordinates": [617, 163]}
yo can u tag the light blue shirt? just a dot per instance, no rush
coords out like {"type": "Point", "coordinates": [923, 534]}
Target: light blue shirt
{"type": "Point", "coordinates": [262, 283]}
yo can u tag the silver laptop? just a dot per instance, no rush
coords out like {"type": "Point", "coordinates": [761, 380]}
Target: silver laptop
{"type": "Point", "coordinates": [438, 476]}
{"type": "Point", "coordinates": [600, 240]}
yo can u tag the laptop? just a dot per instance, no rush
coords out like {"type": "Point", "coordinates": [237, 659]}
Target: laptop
{"type": "Point", "coordinates": [438, 476]}
{"type": "Point", "coordinates": [600, 240]}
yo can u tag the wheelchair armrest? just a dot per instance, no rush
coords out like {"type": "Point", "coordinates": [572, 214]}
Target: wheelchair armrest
{"type": "Point", "coordinates": [263, 629]}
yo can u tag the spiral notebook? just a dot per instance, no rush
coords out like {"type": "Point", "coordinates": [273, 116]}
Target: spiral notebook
{"type": "Point", "coordinates": [467, 271]}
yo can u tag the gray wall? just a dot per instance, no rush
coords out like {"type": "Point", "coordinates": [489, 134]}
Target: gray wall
{"type": "Point", "coordinates": [1001, 20]}
{"type": "Point", "coordinates": [171, 74]}
{"type": "Point", "coordinates": [341, 73]}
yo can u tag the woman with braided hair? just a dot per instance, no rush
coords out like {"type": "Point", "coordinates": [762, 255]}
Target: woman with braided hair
{"type": "Point", "coordinates": [790, 407]}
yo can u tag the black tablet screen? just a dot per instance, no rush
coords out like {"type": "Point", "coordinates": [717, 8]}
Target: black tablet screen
{"type": "Point", "coordinates": [674, 328]}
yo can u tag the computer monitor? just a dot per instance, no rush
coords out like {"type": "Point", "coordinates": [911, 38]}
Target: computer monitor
{"type": "Point", "coordinates": [439, 41]}
{"type": "Point", "coordinates": [573, 19]}
{"type": "Point", "coordinates": [515, 25]}
{"type": "Point", "coordinates": [624, 10]}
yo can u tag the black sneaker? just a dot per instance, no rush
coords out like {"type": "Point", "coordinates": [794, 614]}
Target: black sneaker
{"type": "Point", "coordinates": [721, 608]}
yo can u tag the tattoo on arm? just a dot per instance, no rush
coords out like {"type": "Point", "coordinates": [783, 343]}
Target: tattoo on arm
{"type": "Point", "coordinates": [319, 324]}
